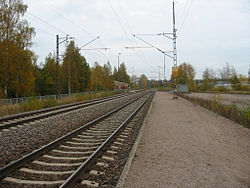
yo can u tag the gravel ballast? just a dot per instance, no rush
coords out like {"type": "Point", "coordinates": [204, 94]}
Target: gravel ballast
{"type": "Point", "coordinates": [185, 145]}
{"type": "Point", "coordinates": [16, 143]}
{"type": "Point", "coordinates": [115, 167]}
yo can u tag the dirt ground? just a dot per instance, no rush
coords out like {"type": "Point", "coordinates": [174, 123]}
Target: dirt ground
{"type": "Point", "coordinates": [185, 145]}
{"type": "Point", "coordinates": [238, 99]}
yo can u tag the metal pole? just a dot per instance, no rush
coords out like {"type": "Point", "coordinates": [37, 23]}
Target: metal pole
{"type": "Point", "coordinates": [164, 70]}
{"type": "Point", "coordinates": [118, 70]}
{"type": "Point", "coordinates": [69, 87]}
{"type": "Point", "coordinates": [57, 64]}
{"type": "Point", "coordinates": [174, 39]}
{"type": "Point", "coordinates": [174, 42]}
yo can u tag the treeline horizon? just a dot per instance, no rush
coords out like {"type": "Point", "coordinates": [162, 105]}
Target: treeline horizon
{"type": "Point", "coordinates": [20, 76]}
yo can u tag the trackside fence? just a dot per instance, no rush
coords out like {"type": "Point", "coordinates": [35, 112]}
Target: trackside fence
{"type": "Point", "coordinates": [25, 99]}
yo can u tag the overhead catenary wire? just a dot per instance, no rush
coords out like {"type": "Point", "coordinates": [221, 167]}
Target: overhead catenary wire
{"type": "Point", "coordinates": [38, 18]}
{"type": "Point", "coordinates": [42, 30]}
{"type": "Point", "coordinates": [55, 28]}
{"type": "Point", "coordinates": [130, 28]}
{"type": "Point", "coordinates": [181, 18]}
{"type": "Point", "coordinates": [48, 33]}
{"type": "Point", "coordinates": [70, 21]}
{"type": "Point", "coordinates": [125, 18]}
{"type": "Point", "coordinates": [123, 29]}
{"type": "Point", "coordinates": [117, 17]}
{"type": "Point", "coordinates": [185, 17]}
{"type": "Point", "coordinates": [67, 19]}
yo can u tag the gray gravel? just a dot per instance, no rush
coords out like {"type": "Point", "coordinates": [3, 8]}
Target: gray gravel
{"type": "Point", "coordinates": [115, 168]}
{"type": "Point", "coordinates": [185, 145]}
{"type": "Point", "coordinates": [16, 143]}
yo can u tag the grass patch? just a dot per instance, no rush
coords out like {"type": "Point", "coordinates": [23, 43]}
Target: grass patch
{"type": "Point", "coordinates": [164, 89]}
{"type": "Point", "coordinates": [241, 116]}
{"type": "Point", "coordinates": [36, 104]}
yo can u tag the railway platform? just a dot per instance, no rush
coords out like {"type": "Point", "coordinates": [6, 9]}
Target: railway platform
{"type": "Point", "coordinates": [185, 145]}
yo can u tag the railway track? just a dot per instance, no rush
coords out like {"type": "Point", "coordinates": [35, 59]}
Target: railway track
{"type": "Point", "coordinates": [20, 119]}
{"type": "Point", "coordinates": [62, 162]}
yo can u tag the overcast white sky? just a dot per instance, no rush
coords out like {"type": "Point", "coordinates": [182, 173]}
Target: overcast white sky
{"type": "Point", "coordinates": [214, 32]}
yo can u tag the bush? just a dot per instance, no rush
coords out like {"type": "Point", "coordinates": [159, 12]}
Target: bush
{"type": "Point", "coordinates": [50, 103]}
{"type": "Point", "coordinates": [246, 117]}
{"type": "Point", "coordinates": [32, 104]}
{"type": "Point", "coordinates": [244, 88]}
{"type": "Point", "coordinates": [229, 111]}
{"type": "Point", "coordinates": [35, 104]}
{"type": "Point", "coordinates": [1, 93]}
{"type": "Point", "coordinates": [10, 109]}
{"type": "Point", "coordinates": [163, 89]}
{"type": "Point", "coordinates": [219, 89]}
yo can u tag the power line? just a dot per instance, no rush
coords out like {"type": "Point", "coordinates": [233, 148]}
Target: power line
{"type": "Point", "coordinates": [117, 17]}
{"type": "Point", "coordinates": [123, 29]}
{"type": "Point", "coordinates": [40, 19]}
{"type": "Point", "coordinates": [76, 25]}
{"type": "Point", "coordinates": [67, 19]}
{"type": "Point", "coordinates": [124, 16]}
{"type": "Point", "coordinates": [184, 11]}
{"type": "Point", "coordinates": [44, 22]}
{"type": "Point", "coordinates": [50, 34]}
{"type": "Point", "coordinates": [126, 20]}
{"type": "Point", "coordinates": [186, 15]}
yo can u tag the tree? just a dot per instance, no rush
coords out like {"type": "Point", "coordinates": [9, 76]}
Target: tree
{"type": "Point", "coordinates": [236, 82]}
{"type": "Point", "coordinates": [101, 77]}
{"type": "Point", "coordinates": [123, 75]}
{"type": "Point", "coordinates": [75, 70]}
{"type": "Point", "coordinates": [108, 82]}
{"type": "Point", "coordinates": [143, 82]}
{"type": "Point", "coordinates": [208, 77]}
{"type": "Point", "coordinates": [153, 83]}
{"type": "Point", "coordinates": [16, 60]}
{"type": "Point", "coordinates": [227, 73]}
{"type": "Point", "coordinates": [249, 75]}
{"type": "Point", "coordinates": [96, 82]}
{"type": "Point", "coordinates": [186, 75]}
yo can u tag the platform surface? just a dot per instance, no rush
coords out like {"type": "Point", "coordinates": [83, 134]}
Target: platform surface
{"type": "Point", "coordinates": [185, 145]}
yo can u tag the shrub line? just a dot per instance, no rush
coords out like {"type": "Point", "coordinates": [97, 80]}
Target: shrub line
{"type": "Point", "coordinates": [36, 104]}
{"type": "Point", "coordinates": [229, 111]}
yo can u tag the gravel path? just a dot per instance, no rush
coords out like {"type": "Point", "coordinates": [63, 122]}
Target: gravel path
{"type": "Point", "coordinates": [19, 142]}
{"type": "Point", "coordinates": [242, 101]}
{"type": "Point", "coordinates": [184, 145]}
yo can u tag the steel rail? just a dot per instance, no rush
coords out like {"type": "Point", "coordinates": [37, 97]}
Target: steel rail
{"type": "Point", "coordinates": [59, 110]}
{"type": "Point", "coordinates": [71, 180]}
{"type": "Point", "coordinates": [6, 118]}
{"type": "Point", "coordinates": [34, 154]}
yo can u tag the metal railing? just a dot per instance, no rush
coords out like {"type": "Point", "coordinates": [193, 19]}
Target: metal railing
{"type": "Point", "coordinates": [25, 99]}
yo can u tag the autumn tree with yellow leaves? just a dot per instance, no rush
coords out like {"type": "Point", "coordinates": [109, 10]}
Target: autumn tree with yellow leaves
{"type": "Point", "coordinates": [16, 60]}
{"type": "Point", "coordinates": [101, 77]}
{"type": "Point", "coordinates": [186, 75]}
